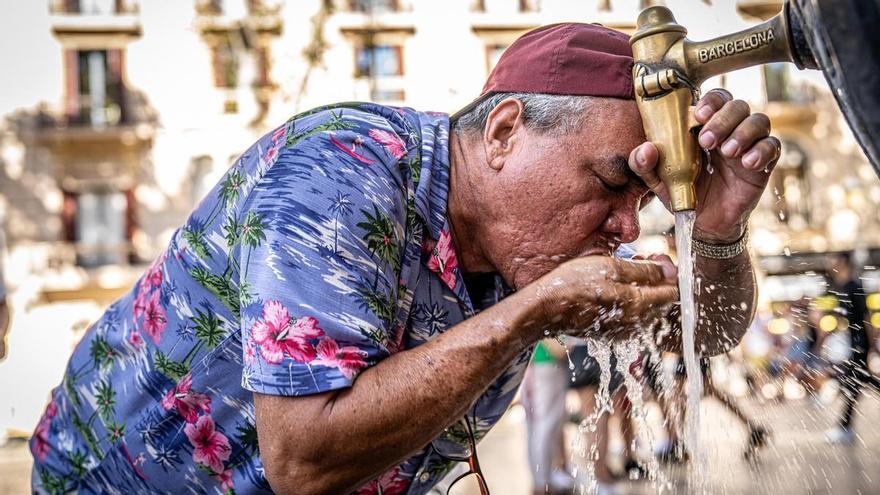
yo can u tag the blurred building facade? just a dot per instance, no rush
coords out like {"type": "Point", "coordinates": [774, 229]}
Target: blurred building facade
{"type": "Point", "coordinates": [145, 103]}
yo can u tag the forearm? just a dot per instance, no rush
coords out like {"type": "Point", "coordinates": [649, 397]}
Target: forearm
{"type": "Point", "coordinates": [394, 408]}
{"type": "Point", "coordinates": [725, 302]}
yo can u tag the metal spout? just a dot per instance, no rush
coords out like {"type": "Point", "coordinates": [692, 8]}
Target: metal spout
{"type": "Point", "coordinates": [667, 74]}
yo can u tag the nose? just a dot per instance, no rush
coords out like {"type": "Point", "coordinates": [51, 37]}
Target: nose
{"type": "Point", "coordinates": [623, 222]}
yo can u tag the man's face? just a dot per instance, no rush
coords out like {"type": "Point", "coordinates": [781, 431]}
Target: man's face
{"type": "Point", "coordinates": [562, 196]}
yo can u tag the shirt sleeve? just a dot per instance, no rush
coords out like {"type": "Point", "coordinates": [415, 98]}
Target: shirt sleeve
{"type": "Point", "coordinates": [322, 235]}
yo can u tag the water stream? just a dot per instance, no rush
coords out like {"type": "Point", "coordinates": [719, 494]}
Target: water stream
{"type": "Point", "coordinates": [684, 227]}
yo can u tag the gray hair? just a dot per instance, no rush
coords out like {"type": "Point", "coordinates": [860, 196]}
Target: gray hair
{"type": "Point", "coordinates": [544, 113]}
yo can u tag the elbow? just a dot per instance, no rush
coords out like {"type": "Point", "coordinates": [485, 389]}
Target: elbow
{"type": "Point", "coordinates": [288, 474]}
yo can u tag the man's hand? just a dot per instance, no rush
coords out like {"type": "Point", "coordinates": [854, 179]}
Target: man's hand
{"type": "Point", "coordinates": [742, 154]}
{"type": "Point", "coordinates": [621, 295]}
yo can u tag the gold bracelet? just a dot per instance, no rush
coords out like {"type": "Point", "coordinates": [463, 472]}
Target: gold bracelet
{"type": "Point", "coordinates": [722, 251]}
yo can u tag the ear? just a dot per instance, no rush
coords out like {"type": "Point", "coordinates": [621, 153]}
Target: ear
{"type": "Point", "coordinates": [502, 127]}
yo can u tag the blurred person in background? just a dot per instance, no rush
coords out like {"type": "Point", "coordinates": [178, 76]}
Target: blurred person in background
{"type": "Point", "coordinates": [807, 365]}
{"type": "Point", "coordinates": [352, 307]}
{"type": "Point", "coordinates": [543, 397]}
{"type": "Point", "coordinates": [853, 374]}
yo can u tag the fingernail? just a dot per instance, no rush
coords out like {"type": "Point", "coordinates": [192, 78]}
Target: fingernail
{"type": "Point", "coordinates": [640, 156]}
{"type": "Point", "coordinates": [704, 112]}
{"type": "Point", "coordinates": [707, 139]}
{"type": "Point", "coordinates": [730, 148]}
{"type": "Point", "coordinates": [751, 159]}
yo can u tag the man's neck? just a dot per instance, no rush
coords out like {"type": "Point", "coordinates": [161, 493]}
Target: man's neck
{"type": "Point", "coordinates": [463, 207]}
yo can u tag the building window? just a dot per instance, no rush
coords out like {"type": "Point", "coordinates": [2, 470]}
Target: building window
{"type": "Point", "coordinates": [373, 6]}
{"type": "Point", "coordinates": [99, 224]}
{"type": "Point", "coordinates": [493, 55]}
{"type": "Point", "coordinates": [776, 82]}
{"type": "Point", "coordinates": [379, 61]}
{"type": "Point", "coordinates": [94, 87]}
{"type": "Point", "coordinates": [224, 58]}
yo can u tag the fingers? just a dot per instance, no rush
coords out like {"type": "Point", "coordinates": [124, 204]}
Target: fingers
{"type": "Point", "coordinates": [670, 271]}
{"type": "Point", "coordinates": [643, 161]}
{"type": "Point", "coordinates": [639, 272]}
{"type": "Point", "coordinates": [754, 128]}
{"type": "Point", "coordinates": [722, 123]}
{"type": "Point", "coordinates": [710, 103]}
{"type": "Point", "coordinates": [763, 154]}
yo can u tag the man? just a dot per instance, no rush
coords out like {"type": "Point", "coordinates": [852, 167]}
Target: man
{"type": "Point", "coordinates": [311, 330]}
{"type": "Point", "coordinates": [853, 373]}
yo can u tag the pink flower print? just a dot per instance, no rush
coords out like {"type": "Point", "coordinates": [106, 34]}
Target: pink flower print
{"type": "Point", "coordinates": [152, 278]}
{"type": "Point", "coordinates": [351, 152]}
{"type": "Point", "coordinates": [249, 353]}
{"type": "Point", "coordinates": [225, 479]}
{"type": "Point", "coordinates": [140, 303]}
{"type": "Point", "coordinates": [391, 141]}
{"type": "Point", "coordinates": [154, 318]}
{"type": "Point", "coordinates": [135, 339]}
{"type": "Point", "coordinates": [187, 402]}
{"type": "Point", "coordinates": [40, 443]}
{"type": "Point", "coordinates": [443, 260]}
{"type": "Point", "coordinates": [270, 155]}
{"type": "Point", "coordinates": [388, 482]}
{"type": "Point", "coordinates": [348, 359]}
{"type": "Point", "coordinates": [51, 409]}
{"type": "Point", "coordinates": [210, 447]}
{"type": "Point", "coordinates": [277, 336]}
{"type": "Point", "coordinates": [279, 134]}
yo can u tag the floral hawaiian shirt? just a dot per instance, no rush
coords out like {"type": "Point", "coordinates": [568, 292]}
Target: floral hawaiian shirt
{"type": "Point", "coordinates": [323, 250]}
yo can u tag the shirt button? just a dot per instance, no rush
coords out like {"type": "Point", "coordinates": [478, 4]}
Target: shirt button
{"type": "Point", "coordinates": [424, 477]}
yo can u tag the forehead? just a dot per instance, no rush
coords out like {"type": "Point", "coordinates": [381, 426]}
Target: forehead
{"type": "Point", "coordinates": [612, 128]}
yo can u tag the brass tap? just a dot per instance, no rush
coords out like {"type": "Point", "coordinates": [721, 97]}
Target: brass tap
{"type": "Point", "coordinates": [667, 74]}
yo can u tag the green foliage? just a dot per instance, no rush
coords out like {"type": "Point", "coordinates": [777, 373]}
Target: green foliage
{"type": "Point", "coordinates": [336, 123]}
{"type": "Point", "coordinates": [208, 329]}
{"type": "Point", "coordinates": [116, 431]}
{"type": "Point", "coordinates": [230, 190]}
{"type": "Point", "coordinates": [247, 436]}
{"type": "Point", "coordinates": [53, 484]}
{"type": "Point", "coordinates": [86, 433]}
{"type": "Point", "coordinates": [69, 381]}
{"type": "Point", "coordinates": [231, 230]}
{"type": "Point", "coordinates": [253, 230]}
{"type": "Point", "coordinates": [196, 241]}
{"type": "Point", "coordinates": [101, 352]}
{"type": "Point", "coordinates": [77, 461]}
{"type": "Point", "coordinates": [172, 369]}
{"type": "Point", "coordinates": [377, 303]}
{"type": "Point", "coordinates": [380, 237]}
{"type": "Point", "coordinates": [219, 286]}
{"type": "Point", "coordinates": [105, 398]}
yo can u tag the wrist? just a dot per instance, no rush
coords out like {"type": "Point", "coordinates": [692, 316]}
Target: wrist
{"type": "Point", "coordinates": [525, 314]}
{"type": "Point", "coordinates": [720, 236]}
